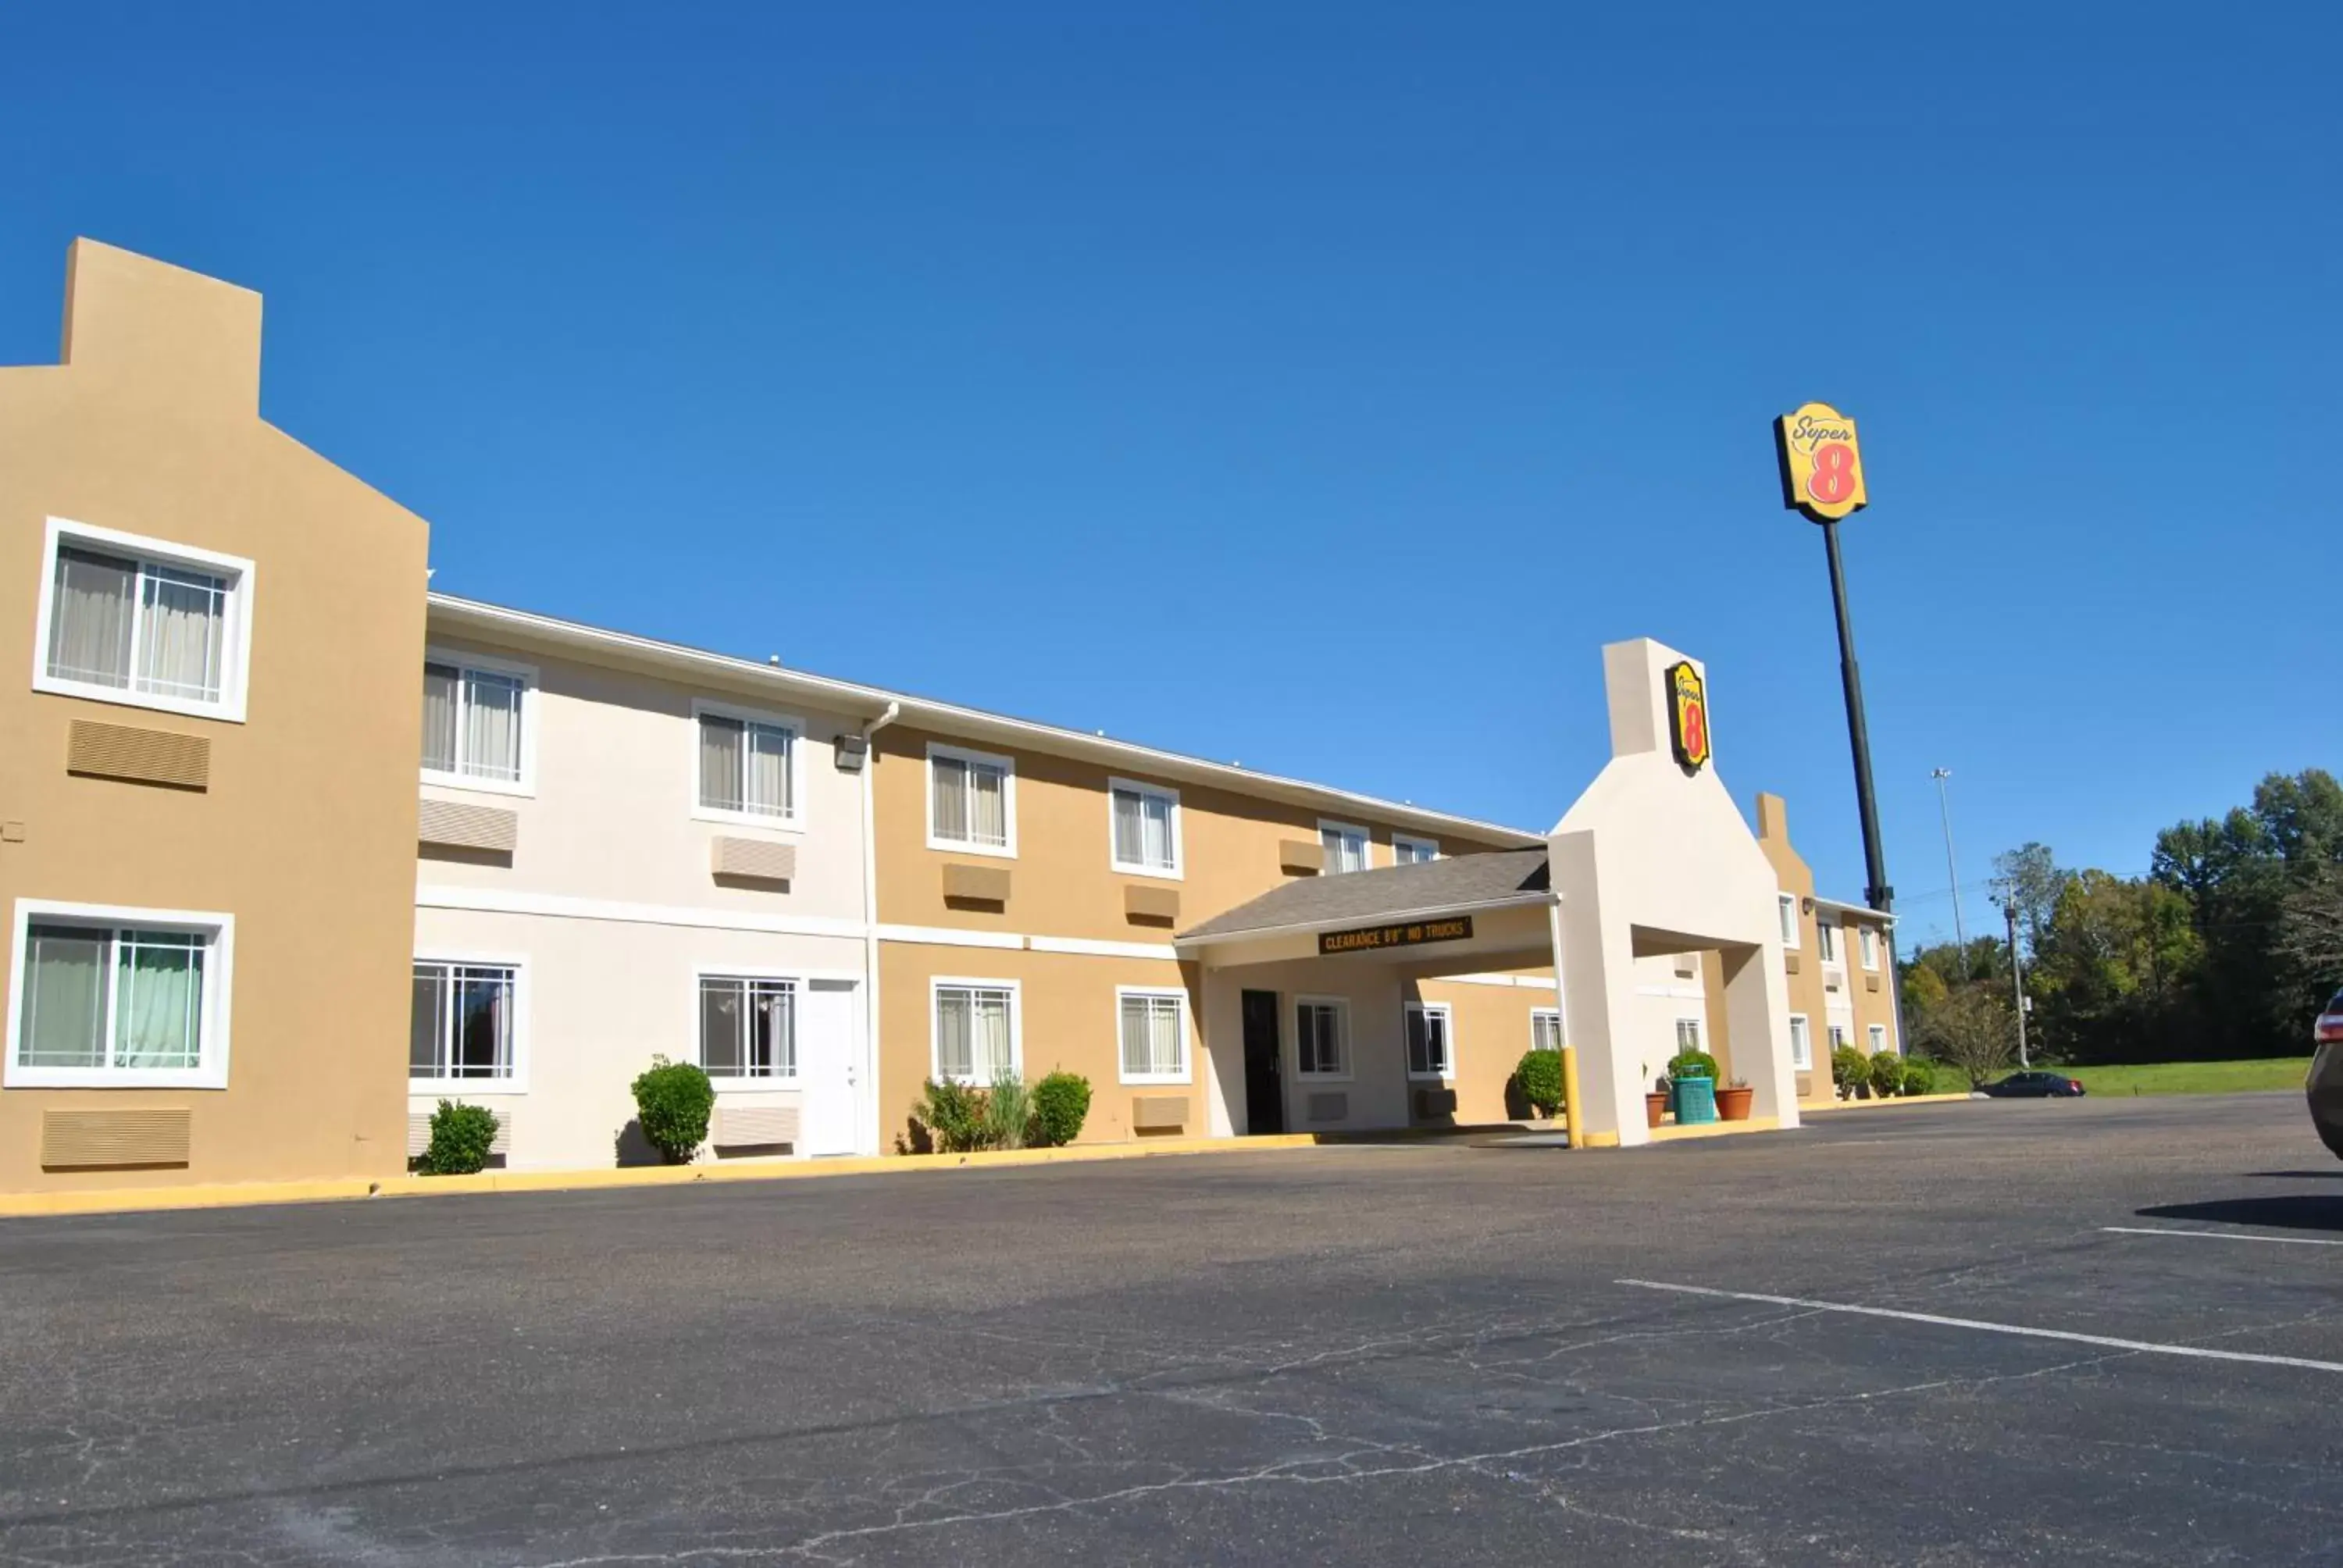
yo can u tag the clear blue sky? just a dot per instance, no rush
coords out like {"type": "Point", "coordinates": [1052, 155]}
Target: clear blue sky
{"type": "Point", "coordinates": [1317, 388]}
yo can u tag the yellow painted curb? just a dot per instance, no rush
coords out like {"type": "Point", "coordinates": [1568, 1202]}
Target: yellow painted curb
{"type": "Point", "coordinates": [1884, 1104]}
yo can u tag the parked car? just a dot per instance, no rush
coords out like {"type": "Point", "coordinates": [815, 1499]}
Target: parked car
{"type": "Point", "coordinates": [2035, 1086]}
{"type": "Point", "coordinates": [2323, 1087]}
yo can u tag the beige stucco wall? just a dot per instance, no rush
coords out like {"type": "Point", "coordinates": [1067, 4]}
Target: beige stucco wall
{"type": "Point", "coordinates": [306, 833]}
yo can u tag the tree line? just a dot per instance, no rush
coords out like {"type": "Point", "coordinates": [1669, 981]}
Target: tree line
{"type": "Point", "coordinates": [2225, 949]}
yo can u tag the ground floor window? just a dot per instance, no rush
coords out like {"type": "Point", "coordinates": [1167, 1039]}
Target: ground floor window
{"type": "Point", "coordinates": [975, 1031]}
{"type": "Point", "coordinates": [1878, 1037]}
{"type": "Point", "coordinates": [1321, 1046]}
{"type": "Point", "coordinates": [1545, 1029]}
{"type": "Point", "coordinates": [1153, 1025]}
{"type": "Point", "coordinates": [461, 1029]}
{"type": "Point", "coordinates": [1429, 1052]}
{"type": "Point", "coordinates": [747, 1028]}
{"type": "Point", "coordinates": [1687, 1035]}
{"type": "Point", "coordinates": [1837, 1037]}
{"type": "Point", "coordinates": [119, 997]}
{"type": "Point", "coordinates": [1802, 1044]}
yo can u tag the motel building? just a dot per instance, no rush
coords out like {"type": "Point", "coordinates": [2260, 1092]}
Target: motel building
{"type": "Point", "coordinates": [295, 849]}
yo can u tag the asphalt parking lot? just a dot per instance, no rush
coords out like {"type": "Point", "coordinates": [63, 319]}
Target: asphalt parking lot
{"type": "Point", "coordinates": [1338, 1355]}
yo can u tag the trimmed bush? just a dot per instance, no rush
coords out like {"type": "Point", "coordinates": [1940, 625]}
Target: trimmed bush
{"type": "Point", "coordinates": [1538, 1075]}
{"type": "Point", "coordinates": [1692, 1064]}
{"type": "Point", "coordinates": [674, 1100]}
{"type": "Point", "coordinates": [1008, 1108]}
{"type": "Point", "coordinates": [461, 1136]}
{"type": "Point", "coordinates": [1919, 1076]}
{"type": "Point", "coordinates": [953, 1115]}
{"type": "Point", "coordinates": [1849, 1067]}
{"type": "Point", "coordinates": [1885, 1070]}
{"type": "Point", "coordinates": [1061, 1103]}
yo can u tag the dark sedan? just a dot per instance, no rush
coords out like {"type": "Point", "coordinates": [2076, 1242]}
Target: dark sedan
{"type": "Point", "coordinates": [2035, 1086]}
{"type": "Point", "coordinates": [2324, 1085]}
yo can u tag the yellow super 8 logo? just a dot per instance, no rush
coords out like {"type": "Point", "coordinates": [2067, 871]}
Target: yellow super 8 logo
{"type": "Point", "coordinates": [1821, 462]}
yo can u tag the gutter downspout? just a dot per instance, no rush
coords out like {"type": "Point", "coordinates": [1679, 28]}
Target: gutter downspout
{"type": "Point", "coordinates": [871, 911]}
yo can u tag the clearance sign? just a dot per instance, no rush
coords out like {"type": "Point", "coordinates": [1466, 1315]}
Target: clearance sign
{"type": "Point", "coordinates": [1822, 463]}
{"type": "Point", "coordinates": [1374, 939]}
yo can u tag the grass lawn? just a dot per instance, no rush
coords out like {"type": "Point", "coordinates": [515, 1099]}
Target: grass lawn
{"type": "Point", "coordinates": [2193, 1077]}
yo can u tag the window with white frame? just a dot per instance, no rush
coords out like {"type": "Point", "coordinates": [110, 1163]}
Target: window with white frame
{"type": "Point", "coordinates": [143, 621]}
{"type": "Point", "coordinates": [972, 801]}
{"type": "Point", "coordinates": [748, 1028]}
{"type": "Point", "coordinates": [1545, 1029]}
{"type": "Point", "coordinates": [1345, 847]}
{"type": "Point", "coordinates": [1145, 823]}
{"type": "Point", "coordinates": [1826, 941]}
{"type": "Point", "coordinates": [1687, 1035]}
{"type": "Point", "coordinates": [1407, 850]}
{"type": "Point", "coordinates": [975, 1031]}
{"type": "Point", "coordinates": [1788, 905]}
{"type": "Point", "coordinates": [1431, 1048]}
{"type": "Point", "coordinates": [461, 1029]}
{"type": "Point", "coordinates": [123, 998]}
{"type": "Point", "coordinates": [1837, 1037]}
{"type": "Point", "coordinates": [1878, 1033]}
{"type": "Point", "coordinates": [1867, 940]}
{"type": "Point", "coordinates": [748, 766]}
{"type": "Point", "coordinates": [1153, 1025]}
{"type": "Point", "coordinates": [1802, 1044]}
{"type": "Point", "coordinates": [1321, 1043]}
{"type": "Point", "coordinates": [474, 723]}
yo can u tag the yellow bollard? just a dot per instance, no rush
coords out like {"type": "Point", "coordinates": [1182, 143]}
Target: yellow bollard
{"type": "Point", "coordinates": [1570, 1093]}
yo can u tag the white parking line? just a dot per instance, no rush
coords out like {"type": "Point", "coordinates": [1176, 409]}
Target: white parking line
{"type": "Point", "coordinates": [2145, 1347]}
{"type": "Point", "coordinates": [2220, 1235]}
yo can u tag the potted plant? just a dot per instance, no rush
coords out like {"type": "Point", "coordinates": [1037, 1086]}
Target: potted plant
{"type": "Point", "coordinates": [1656, 1098]}
{"type": "Point", "coordinates": [1734, 1099]}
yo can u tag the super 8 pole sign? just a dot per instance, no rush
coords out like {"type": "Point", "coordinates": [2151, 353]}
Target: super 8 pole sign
{"type": "Point", "coordinates": [1822, 463]}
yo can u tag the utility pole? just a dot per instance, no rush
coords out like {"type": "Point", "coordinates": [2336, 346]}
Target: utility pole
{"type": "Point", "coordinates": [2016, 972]}
{"type": "Point", "coordinates": [1952, 871]}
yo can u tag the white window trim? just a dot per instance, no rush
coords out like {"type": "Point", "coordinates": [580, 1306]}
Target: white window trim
{"type": "Point", "coordinates": [1808, 1066]}
{"type": "Point", "coordinates": [1699, 1033]}
{"type": "Point", "coordinates": [235, 638]}
{"type": "Point", "coordinates": [1008, 766]}
{"type": "Point", "coordinates": [1832, 949]}
{"type": "Point", "coordinates": [1178, 871]}
{"type": "Point", "coordinates": [1187, 1072]}
{"type": "Point", "coordinates": [1867, 945]}
{"type": "Point", "coordinates": [802, 978]}
{"type": "Point", "coordinates": [1448, 1030]}
{"type": "Point", "coordinates": [468, 1089]}
{"type": "Point", "coordinates": [1016, 1023]}
{"type": "Point", "coordinates": [1411, 840]}
{"type": "Point", "coordinates": [1341, 1005]}
{"type": "Point", "coordinates": [1786, 904]}
{"type": "Point", "coordinates": [1367, 856]}
{"type": "Point", "coordinates": [1875, 1036]}
{"type": "Point", "coordinates": [1552, 1013]}
{"type": "Point", "coordinates": [219, 980]}
{"type": "Point", "coordinates": [795, 823]}
{"type": "Point", "coordinates": [526, 674]}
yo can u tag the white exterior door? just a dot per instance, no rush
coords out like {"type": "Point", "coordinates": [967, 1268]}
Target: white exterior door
{"type": "Point", "coordinates": [831, 1079]}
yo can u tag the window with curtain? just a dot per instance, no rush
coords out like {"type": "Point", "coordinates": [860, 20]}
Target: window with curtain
{"type": "Point", "coordinates": [1687, 1034]}
{"type": "Point", "coordinates": [1788, 905]}
{"type": "Point", "coordinates": [472, 722]}
{"type": "Point", "coordinates": [1837, 1037]}
{"type": "Point", "coordinates": [1146, 828]}
{"type": "Point", "coordinates": [1868, 940]}
{"type": "Point", "coordinates": [974, 1032]}
{"type": "Point", "coordinates": [1878, 1033]}
{"type": "Point", "coordinates": [747, 765]}
{"type": "Point", "coordinates": [461, 1026]}
{"type": "Point", "coordinates": [970, 801]}
{"type": "Point", "coordinates": [1319, 1046]}
{"type": "Point", "coordinates": [1154, 1044]}
{"type": "Point", "coordinates": [747, 1028]}
{"type": "Point", "coordinates": [1802, 1044]}
{"type": "Point", "coordinates": [1545, 1029]}
{"type": "Point", "coordinates": [1826, 941]}
{"type": "Point", "coordinates": [111, 1001]}
{"type": "Point", "coordinates": [1428, 1051]}
{"type": "Point", "coordinates": [130, 624]}
{"type": "Point", "coordinates": [1407, 851]}
{"type": "Point", "coordinates": [1346, 848]}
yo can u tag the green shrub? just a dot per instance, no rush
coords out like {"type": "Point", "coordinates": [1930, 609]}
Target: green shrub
{"type": "Point", "coordinates": [1008, 1108]}
{"type": "Point", "coordinates": [1061, 1103]}
{"type": "Point", "coordinates": [1538, 1075]}
{"type": "Point", "coordinates": [673, 1100]}
{"type": "Point", "coordinates": [1849, 1067]}
{"type": "Point", "coordinates": [460, 1138]}
{"type": "Point", "coordinates": [1919, 1076]}
{"type": "Point", "coordinates": [953, 1114]}
{"type": "Point", "coordinates": [1692, 1064]}
{"type": "Point", "coordinates": [1885, 1070]}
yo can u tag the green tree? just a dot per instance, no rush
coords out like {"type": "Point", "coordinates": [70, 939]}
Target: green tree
{"type": "Point", "coordinates": [2112, 976]}
{"type": "Point", "coordinates": [1974, 1030]}
{"type": "Point", "coordinates": [2029, 877]}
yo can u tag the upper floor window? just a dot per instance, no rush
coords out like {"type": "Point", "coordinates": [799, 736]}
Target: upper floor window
{"type": "Point", "coordinates": [1826, 941]}
{"type": "Point", "coordinates": [1154, 1035]}
{"type": "Point", "coordinates": [1545, 1029]}
{"type": "Point", "coordinates": [1788, 905]}
{"type": "Point", "coordinates": [1867, 937]}
{"type": "Point", "coordinates": [972, 801]}
{"type": "Point", "coordinates": [477, 723]}
{"type": "Point", "coordinates": [748, 765]}
{"type": "Point", "coordinates": [143, 622]}
{"type": "Point", "coordinates": [1146, 822]}
{"type": "Point", "coordinates": [1345, 847]}
{"type": "Point", "coordinates": [748, 1028]}
{"type": "Point", "coordinates": [118, 998]}
{"type": "Point", "coordinates": [1321, 1043]}
{"type": "Point", "coordinates": [1410, 851]}
{"type": "Point", "coordinates": [461, 1027]}
{"type": "Point", "coordinates": [1430, 1054]}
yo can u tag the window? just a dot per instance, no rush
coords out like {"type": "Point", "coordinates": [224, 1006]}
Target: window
{"type": "Point", "coordinates": [1320, 1038]}
{"type": "Point", "coordinates": [475, 723]}
{"type": "Point", "coordinates": [1154, 1035]}
{"type": "Point", "coordinates": [1869, 938]}
{"type": "Point", "coordinates": [1789, 908]}
{"type": "Point", "coordinates": [139, 621]}
{"type": "Point", "coordinates": [1430, 1049]}
{"type": "Point", "coordinates": [748, 765]}
{"type": "Point", "coordinates": [1144, 824]}
{"type": "Point", "coordinates": [108, 997]}
{"type": "Point", "coordinates": [1407, 851]}
{"type": "Point", "coordinates": [972, 801]}
{"type": "Point", "coordinates": [1687, 1035]}
{"type": "Point", "coordinates": [1545, 1029]}
{"type": "Point", "coordinates": [1837, 1037]}
{"type": "Point", "coordinates": [1345, 847]}
{"type": "Point", "coordinates": [1878, 1033]}
{"type": "Point", "coordinates": [976, 1029]}
{"type": "Point", "coordinates": [461, 1030]}
{"type": "Point", "coordinates": [1802, 1044]}
{"type": "Point", "coordinates": [1826, 941]}
{"type": "Point", "coordinates": [748, 1028]}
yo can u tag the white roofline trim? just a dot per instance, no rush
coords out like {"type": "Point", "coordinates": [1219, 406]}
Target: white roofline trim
{"type": "Point", "coordinates": [1864, 910]}
{"type": "Point", "coordinates": [1251, 933]}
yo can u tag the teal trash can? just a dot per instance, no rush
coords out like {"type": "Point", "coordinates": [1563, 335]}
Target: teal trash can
{"type": "Point", "coordinates": [1696, 1100]}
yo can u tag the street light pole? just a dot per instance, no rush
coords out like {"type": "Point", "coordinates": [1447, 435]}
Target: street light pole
{"type": "Point", "coordinates": [1952, 870]}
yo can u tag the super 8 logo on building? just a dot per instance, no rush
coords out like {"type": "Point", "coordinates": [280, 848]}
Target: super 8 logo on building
{"type": "Point", "coordinates": [1821, 462]}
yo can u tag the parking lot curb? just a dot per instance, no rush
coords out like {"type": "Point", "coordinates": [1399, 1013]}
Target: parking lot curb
{"type": "Point", "coordinates": [1899, 1101]}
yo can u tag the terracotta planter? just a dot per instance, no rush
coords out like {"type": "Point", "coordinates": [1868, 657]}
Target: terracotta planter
{"type": "Point", "coordinates": [1654, 1107]}
{"type": "Point", "coordinates": [1733, 1104]}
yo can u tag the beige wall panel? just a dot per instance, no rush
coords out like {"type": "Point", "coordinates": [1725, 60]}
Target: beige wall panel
{"type": "Point", "coordinates": [1493, 1031]}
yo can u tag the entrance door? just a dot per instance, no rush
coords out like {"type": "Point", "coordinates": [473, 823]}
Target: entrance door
{"type": "Point", "coordinates": [1264, 1085]}
{"type": "Point", "coordinates": [829, 1071]}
